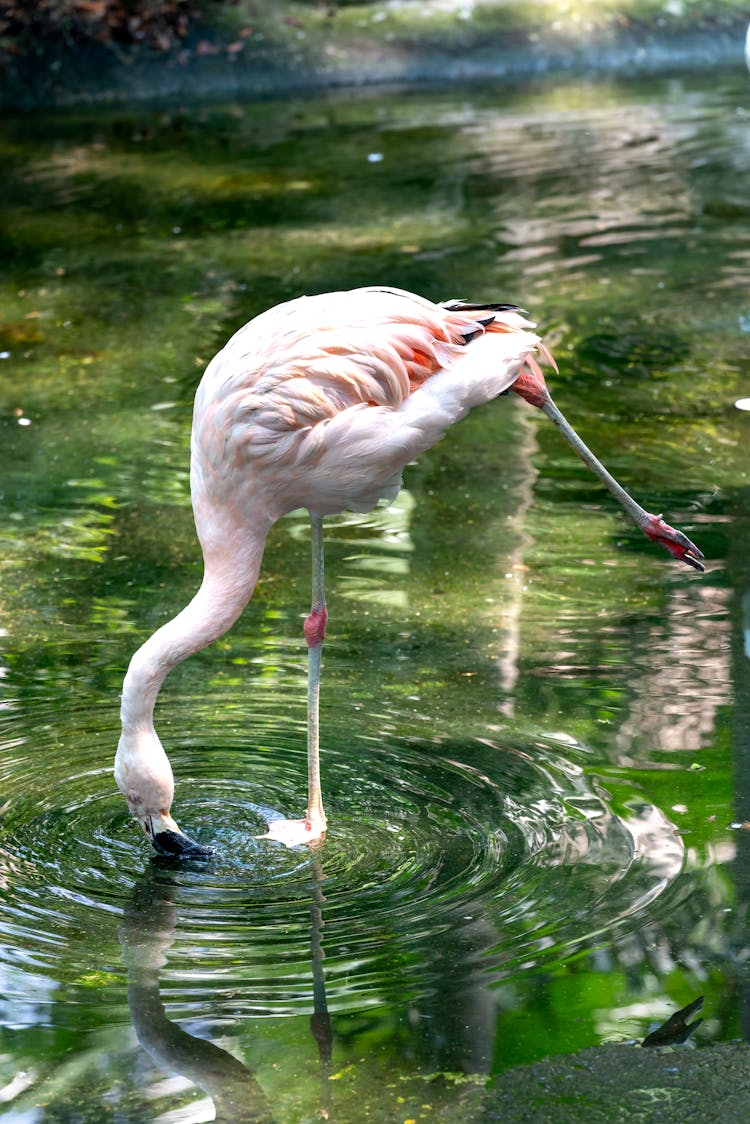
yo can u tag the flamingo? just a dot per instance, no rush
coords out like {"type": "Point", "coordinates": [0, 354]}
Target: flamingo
{"type": "Point", "coordinates": [319, 403]}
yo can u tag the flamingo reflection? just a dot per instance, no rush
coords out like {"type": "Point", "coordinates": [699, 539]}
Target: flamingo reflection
{"type": "Point", "coordinates": [148, 931]}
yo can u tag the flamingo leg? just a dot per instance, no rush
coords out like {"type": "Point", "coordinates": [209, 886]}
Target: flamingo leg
{"type": "Point", "coordinates": [653, 526]}
{"type": "Point", "coordinates": [531, 386]}
{"type": "Point", "coordinates": [312, 828]}
{"type": "Point", "coordinates": [315, 630]}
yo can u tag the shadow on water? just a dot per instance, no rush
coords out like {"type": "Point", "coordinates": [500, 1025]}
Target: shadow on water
{"type": "Point", "coordinates": [534, 726]}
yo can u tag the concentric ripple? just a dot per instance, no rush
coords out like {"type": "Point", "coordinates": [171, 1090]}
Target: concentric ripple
{"type": "Point", "coordinates": [509, 849]}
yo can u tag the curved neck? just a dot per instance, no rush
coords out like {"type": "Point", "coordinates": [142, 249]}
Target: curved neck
{"type": "Point", "coordinates": [226, 588]}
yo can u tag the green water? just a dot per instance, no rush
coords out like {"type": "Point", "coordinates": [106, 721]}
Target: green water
{"type": "Point", "coordinates": [536, 759]}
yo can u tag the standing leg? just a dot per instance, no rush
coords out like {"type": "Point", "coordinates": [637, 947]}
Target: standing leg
{"type": "Point", "coordinates": [315, 630]}
{"type": "Point", "coordinates": [312, 828]}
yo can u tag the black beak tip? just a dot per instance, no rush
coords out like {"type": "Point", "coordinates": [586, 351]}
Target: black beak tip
{"type": "Point", "coordinates": [175, 845]}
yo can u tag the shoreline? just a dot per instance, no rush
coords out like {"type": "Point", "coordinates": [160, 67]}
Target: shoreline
{"type": "Point", "coordinates": [294, 65]}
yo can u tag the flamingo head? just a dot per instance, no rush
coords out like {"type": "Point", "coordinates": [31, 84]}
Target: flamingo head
{"type": "Point", "coordinates": [167, 839]}
{"type": "Point", "coordinates": [144, 777]}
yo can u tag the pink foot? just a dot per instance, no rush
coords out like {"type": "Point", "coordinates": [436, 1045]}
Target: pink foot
{"type": "Point", "coordinates": [675, 542]}
{"type": "Point", "coordinates": [296, 833]}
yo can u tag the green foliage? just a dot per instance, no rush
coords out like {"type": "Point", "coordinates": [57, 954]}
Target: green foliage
{"type": "Point", "coordinates": [159, 24]}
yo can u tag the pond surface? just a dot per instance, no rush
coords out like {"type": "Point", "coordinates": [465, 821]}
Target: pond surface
{"type": "Point", "coordinates": [535, 724]}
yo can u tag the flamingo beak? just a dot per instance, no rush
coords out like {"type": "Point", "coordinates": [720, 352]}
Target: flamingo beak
{"type": "Point", "coordinates": [167, 839]}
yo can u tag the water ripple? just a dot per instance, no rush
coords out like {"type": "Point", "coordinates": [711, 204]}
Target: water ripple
{"type": "Point", "coordinates": [478, 841]}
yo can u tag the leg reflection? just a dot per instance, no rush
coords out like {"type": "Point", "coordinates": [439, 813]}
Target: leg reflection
{"type": "Point", "coordinates": [320, 1021]}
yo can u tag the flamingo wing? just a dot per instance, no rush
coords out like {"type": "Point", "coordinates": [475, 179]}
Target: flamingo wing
{"type": "Point", "coordinates": [326, 398]}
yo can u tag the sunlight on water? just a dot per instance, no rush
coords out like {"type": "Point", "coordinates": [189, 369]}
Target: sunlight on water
{"type": "Point", "coordinates": [534, 723]}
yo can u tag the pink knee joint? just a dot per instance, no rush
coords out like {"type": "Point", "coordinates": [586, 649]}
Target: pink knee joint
{"type": "Point", "coordinates": [315, 627]}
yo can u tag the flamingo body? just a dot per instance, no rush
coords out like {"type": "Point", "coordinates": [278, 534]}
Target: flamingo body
{"type": "Point", "coordinates": [320, 402]}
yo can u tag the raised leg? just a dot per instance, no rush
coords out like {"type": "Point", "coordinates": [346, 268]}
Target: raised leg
{"type": "Point", "coordinates": [531, 386]}
{"type": "Point", "coordinates": [312, 828]}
